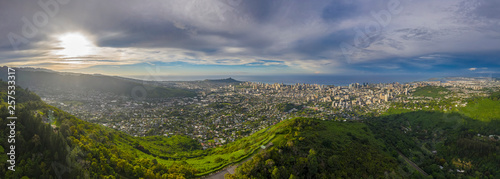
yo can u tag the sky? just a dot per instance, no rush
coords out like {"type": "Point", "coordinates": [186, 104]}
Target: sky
{"type": "Point", "coordinates": [257, 37]}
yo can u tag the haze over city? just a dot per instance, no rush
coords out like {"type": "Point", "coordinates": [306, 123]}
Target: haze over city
{"type": "Point", "coordinates": [234, 37]}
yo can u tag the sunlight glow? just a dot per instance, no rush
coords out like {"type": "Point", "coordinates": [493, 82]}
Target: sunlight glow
{"type": "Point", "coordinates": [75, 45]}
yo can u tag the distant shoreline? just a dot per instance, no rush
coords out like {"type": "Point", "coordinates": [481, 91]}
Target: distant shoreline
{"type": "Point", "coordinates": [336, 80]}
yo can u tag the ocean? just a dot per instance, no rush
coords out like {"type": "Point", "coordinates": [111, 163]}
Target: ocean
{"type": "Point", "coordinates": [337, 80]}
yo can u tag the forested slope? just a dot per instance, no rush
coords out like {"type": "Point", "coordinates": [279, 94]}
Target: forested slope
{"type": "Point", "coordinates": [72, 148]}
{"type": "Point", "coordinates": [447, 144]}
{"type": "Point", "coordinates": [311, 148]}
{"type": "Point", "coordinates": [51, 143]}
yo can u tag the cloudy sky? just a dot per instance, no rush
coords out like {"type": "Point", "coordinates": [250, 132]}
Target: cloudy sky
{"type": "Point", "coordinates": [236, 37]}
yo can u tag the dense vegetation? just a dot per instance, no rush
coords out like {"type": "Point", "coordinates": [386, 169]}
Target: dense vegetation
{"type": "Point", "coordinates": [286, 107]}
{"type": "Point", "coordinates": [72, 148]}
{"type": "Point", "coordinates": [447, 144]}
{"type": "Point", "coordinates": [430, 91]}
{"type": "Point", "coordinates": [483, 109]}
{"type": "Point", "coordinates": [311, 148]}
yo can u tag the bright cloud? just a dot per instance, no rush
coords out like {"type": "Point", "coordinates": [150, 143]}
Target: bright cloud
{"type": "Point", "coordinates": [316, 37]}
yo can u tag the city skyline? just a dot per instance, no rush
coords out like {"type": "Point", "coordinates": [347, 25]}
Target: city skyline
{"type": "Point", "coordinates": [232, 37]}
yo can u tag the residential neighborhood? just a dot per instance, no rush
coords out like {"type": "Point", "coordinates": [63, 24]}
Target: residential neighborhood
{"type": "Point", "coordinates": [224, 112]}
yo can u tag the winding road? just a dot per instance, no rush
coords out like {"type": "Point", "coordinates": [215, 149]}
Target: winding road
{"type": "Point", "coordinates": [231, 169]}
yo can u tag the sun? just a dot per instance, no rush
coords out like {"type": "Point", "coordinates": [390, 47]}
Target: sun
{"type": "Point", "coordinates": [75, 45]}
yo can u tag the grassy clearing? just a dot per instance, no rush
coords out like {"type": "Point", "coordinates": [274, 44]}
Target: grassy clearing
{"type": "Point", "coordinates": [483, 109]}
{"type": "Point", "coordinates": [167, 150]}
{"type": "Point", "coordinates": [431, 91]}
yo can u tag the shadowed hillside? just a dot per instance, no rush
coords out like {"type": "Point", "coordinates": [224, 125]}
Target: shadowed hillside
{"type": "Point", "coordinates": [56, 82]}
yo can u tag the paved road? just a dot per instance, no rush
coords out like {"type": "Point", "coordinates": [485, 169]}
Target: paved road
{"type": "Point", "coordinates": [230, 169]}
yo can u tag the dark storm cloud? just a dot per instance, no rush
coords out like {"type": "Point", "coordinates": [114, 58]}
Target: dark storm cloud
{"type": "Point", "coordinates": [305, 33]}
{"type": "Point", "coordinates": [176, 24]}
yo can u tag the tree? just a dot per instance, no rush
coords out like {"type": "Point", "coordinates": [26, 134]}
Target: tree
{"type": "Point", "coordinates": [275, 174]}
{"type": "Point", "coordinates": [293, 177]}
{"type": "Point", "coordinates": [138, 171]}
{"type": "Point", "coordinates": [269, 163]}
{"type": "Point", "coordinates": [313, 163]}
{"type": "Point", "coordinates": [36, 140]}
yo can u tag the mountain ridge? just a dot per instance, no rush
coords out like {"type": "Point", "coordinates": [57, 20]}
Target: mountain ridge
{"type": "Point", "coordinates": [44, 81]}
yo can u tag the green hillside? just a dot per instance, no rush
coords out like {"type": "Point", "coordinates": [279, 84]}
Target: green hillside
{"type": "Point", "coordinates": [431, 91]}
{"type": "Point", "coordinates": [483, 109]}
{"type": "Point", "coordinates": [311, 148]}
{"type": "Point", "coordinates": [458, 142]}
